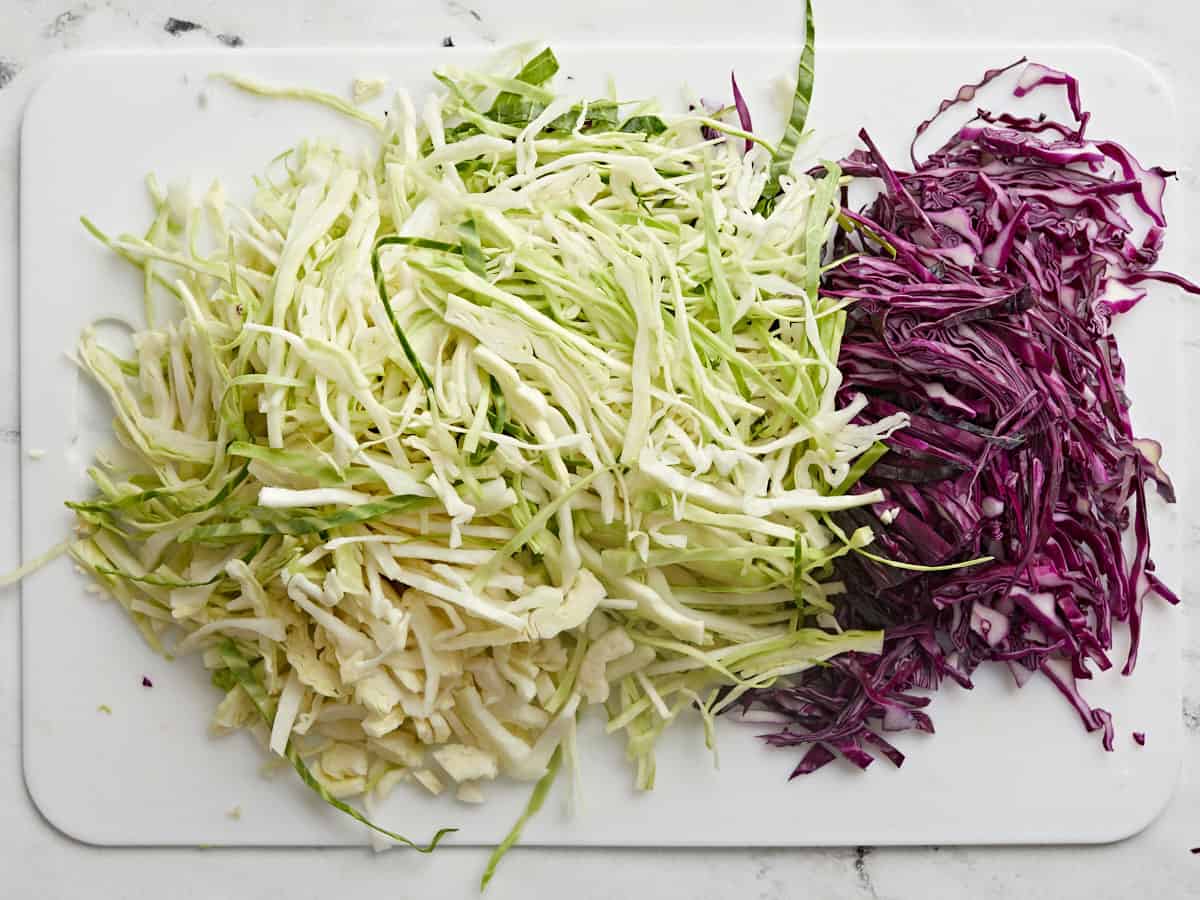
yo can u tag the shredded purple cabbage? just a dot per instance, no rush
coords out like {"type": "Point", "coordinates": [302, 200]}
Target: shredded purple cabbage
{"type": "Point", "coordinates": [982, 298]}
{"type": "Point", "coordinates": [715, 108]}
{"type": "Point", "coordinates": [743, 110]}
{"type": "Point", "coordinates": [709, 108]}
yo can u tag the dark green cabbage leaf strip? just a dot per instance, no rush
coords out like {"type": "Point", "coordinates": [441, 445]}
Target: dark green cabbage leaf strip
{"type": "Point", "coordinates": [602, 115]}
{"type": "Point", "coordinates": [419, 242]}
{"type": "Point", "coordinates": [801, 100]}
{"type": "Point", "coordinates": [243, 674]}
{"type": "Point", "coordinates": [377, 272]}
{"type": "Point", "coordinates": [223, 680]}
{"type": "Point", "coordinates": [532, 528]}
{"type": "Point", "coordinates": [166, 496]}
{"type": "Point", "coordinates": [522, 514]}
{"type": "Point", "coordinates": [540, 69]}
{"type": "Point", "coordinates": [157, 580]}
{"type": "Point", "coordinates": [269, 521]}
{"type": "Point", "coordinates": [648, 125]}
{"type": "Point", "coordinates": [860, 467]}
{"type": "Point", "coordinates": [536, 799]}
{"type": "Point", "coordinates": [171, 580]}
{"type": "Point", "coordinates": [518, 110]}
{"type": "Point", "coordinates": [497, 416]}
{"type": "Point", "coordinates": [472, 249]}
{"type": "Point", "coordinates": [511, 108]}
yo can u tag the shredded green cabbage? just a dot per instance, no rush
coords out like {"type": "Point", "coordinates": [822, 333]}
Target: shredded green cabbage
{"type": "Point", "coordinates": [532, 411]}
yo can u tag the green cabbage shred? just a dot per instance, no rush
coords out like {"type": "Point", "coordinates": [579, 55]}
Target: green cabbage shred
{"type": "Point", "coordinates": [534, 410]}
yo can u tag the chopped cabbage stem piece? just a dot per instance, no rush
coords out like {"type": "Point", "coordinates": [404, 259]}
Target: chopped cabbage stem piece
{"type": "Point", "coordinates": [236, 663]}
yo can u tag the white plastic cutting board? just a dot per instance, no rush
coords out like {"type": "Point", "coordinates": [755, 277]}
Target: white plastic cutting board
{"type": "Point", "coordinates": [1002, 768]}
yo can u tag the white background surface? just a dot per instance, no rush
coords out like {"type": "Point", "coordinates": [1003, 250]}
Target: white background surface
{"type": "Point", "coordinates": [36, 861]}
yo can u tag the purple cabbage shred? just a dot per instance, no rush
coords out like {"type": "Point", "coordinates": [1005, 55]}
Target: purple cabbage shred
{"type": "Point", "coordinates": [743, 110]}
{"type": "Point", "coordinates": [982, 294]}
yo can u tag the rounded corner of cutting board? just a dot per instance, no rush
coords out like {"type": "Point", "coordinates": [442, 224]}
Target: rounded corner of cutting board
{"type": "Point", "coordinates": [49, 75]}
{"type": "Point", "coordinates": [1151, 809]}
{"type": "Point", "coordinates": [1146, 68]}
{"type": "Point", "coordinates": [56, 810]}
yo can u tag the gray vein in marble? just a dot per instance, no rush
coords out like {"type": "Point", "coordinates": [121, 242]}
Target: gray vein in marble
{"type": "Point", "coordinates": [8, 71]}
{"type": "Point", "coordinates": [770, 885]}
{"type": "Point", "coordinates": [1191, 715]}
{"type": "Point", "coordinates": [176, 27]}
{"type": "Point", "coordinates": [67, 21]}
{"type": "Point", "coordinates": [123, 12]}
{"type": "Point", "coordinates": [865, 882]}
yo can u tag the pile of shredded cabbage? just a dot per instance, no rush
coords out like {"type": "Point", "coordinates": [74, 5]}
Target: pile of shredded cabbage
{"type": "Point", "coordinates": [533, 411]}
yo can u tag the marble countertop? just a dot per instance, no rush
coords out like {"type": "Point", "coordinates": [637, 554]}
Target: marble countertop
{"type": "Point", "coordinates": [37, 861]}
